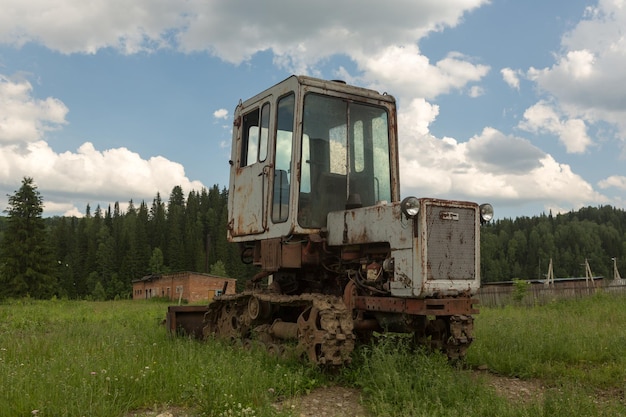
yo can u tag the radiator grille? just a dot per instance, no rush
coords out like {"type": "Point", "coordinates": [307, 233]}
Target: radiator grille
{"type": "Point", "coordinates": [451, 242]}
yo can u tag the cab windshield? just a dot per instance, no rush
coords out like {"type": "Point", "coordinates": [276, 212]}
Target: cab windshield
{"type": "Point", "coordinates": [345, 158]}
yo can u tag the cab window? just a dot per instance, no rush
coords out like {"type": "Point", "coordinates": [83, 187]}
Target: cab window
{"type": "Point", "coordinates": [255, 135]}
{"type": "Point", "coordinates": [282, 172]}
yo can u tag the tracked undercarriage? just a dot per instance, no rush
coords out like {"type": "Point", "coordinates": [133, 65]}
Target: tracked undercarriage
{"type": "Point", "coordinates": [321, 328]}
{"type": "Point", "coordinates": [319, 324]}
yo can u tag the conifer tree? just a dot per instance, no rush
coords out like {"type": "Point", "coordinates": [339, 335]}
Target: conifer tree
{"type": "Point", "coordinates": [25, 253]}
{"type": "Point", "coordinates": [175, 249]}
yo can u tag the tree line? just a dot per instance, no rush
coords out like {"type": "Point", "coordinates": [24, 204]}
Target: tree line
{"type": "Point", "coordinates": [98, 255]}
{"type": "Point", "coordinates": [522, 248]}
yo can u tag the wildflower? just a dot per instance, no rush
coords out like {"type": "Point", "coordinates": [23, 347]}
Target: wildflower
{"type": "Point", "coordinates": [94, 373]}
{"type": "Point", "coordinates": [34, 412]}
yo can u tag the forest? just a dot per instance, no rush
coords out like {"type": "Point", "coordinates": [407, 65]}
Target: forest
{"type": "Point", "coordinates": [521, 248]}
{"type": "Point", "coordinates": [98, 255]}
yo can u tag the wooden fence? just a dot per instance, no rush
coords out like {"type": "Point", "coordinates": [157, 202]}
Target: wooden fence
{"type": "Point", "coordinates": [499, 295]}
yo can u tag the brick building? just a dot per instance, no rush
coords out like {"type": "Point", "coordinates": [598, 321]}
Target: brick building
{"type": "Point", "coordinates": [189, 286]}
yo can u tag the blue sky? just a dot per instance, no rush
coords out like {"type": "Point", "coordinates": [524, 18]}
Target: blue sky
{"type": "Point", "coordinates": [517, 103]}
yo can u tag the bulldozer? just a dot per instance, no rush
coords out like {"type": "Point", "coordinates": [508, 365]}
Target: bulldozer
{"type": "Point", "coordinates": [314, 203]}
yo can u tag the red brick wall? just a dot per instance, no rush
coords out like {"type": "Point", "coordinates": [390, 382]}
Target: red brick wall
{"type": "Point", "coordinates": [189, 286]}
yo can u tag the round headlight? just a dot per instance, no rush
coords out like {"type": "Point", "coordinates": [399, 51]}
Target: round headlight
{"type": "Point", "coordinates": [486, 212]}
{"type": "Point", "coordinates": [410, 206]}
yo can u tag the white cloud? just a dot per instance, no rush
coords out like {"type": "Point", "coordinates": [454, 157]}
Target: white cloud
{"type": "Point", "coordinates": [24, 118]}
{"type": "Point", "coordinates": [510, 77]}
{"type": "Point", "coordinates": [71, 26]}
{"type": "Point", "coordinates": [220, 114]}
{"type": "Point", "coordinates": [496, 153]}
{"type": "Point", "coordinates": [85, 27]}
{"type": "Point", "coordinates": [405, 69]}
{"type": "Point", "coordinates": [476, 91]}
{"type": "Point", "coordinates": [491, 165]}
{"type": "Point", "coordinates": [300, 43]}
{"type": "Point", "coordinates": [415, 117]}
{"type": "Point", "coordinates": [615, 181]}
{"type": "Point", "coordinates": [587, 78]}
{"type": "Point", "coordinates": [543, 118]}
{"type": "Point", "coordinates": [109, 175]}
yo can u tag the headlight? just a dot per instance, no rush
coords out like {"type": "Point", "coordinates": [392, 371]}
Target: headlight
{"type": "Point", "coordinates": [486, 213]}
{"type": "Point", "coordinates": [410, 206]}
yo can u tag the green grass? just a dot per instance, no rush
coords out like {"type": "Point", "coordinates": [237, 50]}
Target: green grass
{"type": "Point", "coordinates": [78, 358]}
{"type": "Point", "coordinates": [566, 343]}
{"type": "Point", "coordinates": [67, 358]}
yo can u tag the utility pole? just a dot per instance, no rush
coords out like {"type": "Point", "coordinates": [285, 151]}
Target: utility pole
{"type": "Point", "coordinates": [588, 274]}
{"type": "Point", "coordinates": [550, 278]}
{"type": "Point", "coordinates": [617, 279]}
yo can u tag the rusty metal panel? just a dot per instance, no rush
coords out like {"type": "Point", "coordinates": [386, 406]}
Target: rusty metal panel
{"type": "Point", "coordinates": [185, 320]}
{"type": "Point", "coordinates": [448, 259]}
{"type": "Point", "coordinates": [291, 255]}
{"type": "Point", "coordinates": [270, 254]}
{"type": "Point", "coordinates": [405, 277]}
{"type": "Point", "coordinates": [435, 307]}
{"type": "Point", "coordinates": [429, 306]}
{"type": "Point", "coordinates": [248, 201]}
{"type": "Point", "coordinates": [451, 242]}
{"type": "Point", "coordinates": [380, 223]}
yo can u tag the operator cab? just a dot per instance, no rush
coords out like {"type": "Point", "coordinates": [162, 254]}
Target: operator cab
{"type": "Point", "coordinates": [307, 147]}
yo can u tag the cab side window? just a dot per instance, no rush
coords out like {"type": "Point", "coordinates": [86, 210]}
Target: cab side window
{"type": "Point", "coordinates": [282, 172]}
{"type": "Point", "coordinates": [255, 135]}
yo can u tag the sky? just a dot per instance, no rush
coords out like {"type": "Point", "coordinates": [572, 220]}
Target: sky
{"type": "Point", "coordinates": [521, 104]}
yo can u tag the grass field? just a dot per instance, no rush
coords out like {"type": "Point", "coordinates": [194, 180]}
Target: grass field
{"type": "Point", "coordinates": [79, 358]}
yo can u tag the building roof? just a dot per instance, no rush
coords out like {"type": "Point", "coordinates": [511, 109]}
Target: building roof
{"type": "Point", "coordinates": [156, 277]}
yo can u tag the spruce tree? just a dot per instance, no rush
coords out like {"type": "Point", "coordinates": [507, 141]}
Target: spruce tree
{"type": "Point", "coordinates": [25, 252]}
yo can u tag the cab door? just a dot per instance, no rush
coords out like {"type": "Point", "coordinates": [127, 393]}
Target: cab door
{"type": "Point", "coordinates": [250, 176]}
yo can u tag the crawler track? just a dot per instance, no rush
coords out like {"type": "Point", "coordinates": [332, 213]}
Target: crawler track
{"type": "Point", "coordinates": [320, 324]}
{"type": "Point", "coordinates": [461, 336]}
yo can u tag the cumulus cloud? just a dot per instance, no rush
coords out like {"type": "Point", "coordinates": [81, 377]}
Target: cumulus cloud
{"type": "Point", "coordinates": [405, 69]}
{"type": "Point", "coordinates": [88, 173]}
{"type": "Point", "coordinates": [147, 25]}
{"type": "Point", "coordinates": [491, 165]}
{"type": "Point", "coordinates": [497, 153]}
{"type": "Point", "coordinates": [587, 78]}
{"type": "Point", "coordinates": [92, 175]}
{"type": "Point", "coordinates": [544, 118]}
{"type": "Point", "coordinates": [510, 77]}
{"type": "Point", "coordinates": [74, 26]}
{"type": "Point", "coordinates": [24, 118]}
{"type": "Point", "coordinates": [615, 181]}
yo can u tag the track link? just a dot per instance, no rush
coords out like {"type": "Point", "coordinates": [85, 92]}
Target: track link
{"type": "Point", "coordinates": [321, 324]}
{"type": "Point", "coordinates": [461, 336]}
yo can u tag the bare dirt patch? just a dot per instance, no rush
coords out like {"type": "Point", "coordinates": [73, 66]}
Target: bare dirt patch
{"type": "Point", "coordinates": [327, 402]}
{"type": "Point", "coordinates": [513, 389]}
{"type": "Point", "coordinates": [337, 401]}
{"type": "Point", "coordinates": [163, 412]}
